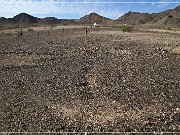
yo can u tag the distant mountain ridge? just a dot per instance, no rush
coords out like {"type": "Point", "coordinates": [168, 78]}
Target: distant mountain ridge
{"type": "Point", "coordinates": [4, 20]}
{"type": "Point", "coordinates": [24, 18]}
{"type": "Point", "coordinates": [168, 17]}
{"type": "Point", "coordinates": [50, 20]}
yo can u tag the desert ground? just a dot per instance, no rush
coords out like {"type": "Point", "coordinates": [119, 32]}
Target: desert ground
{"type": "Point", "coordinates": [102, 81]}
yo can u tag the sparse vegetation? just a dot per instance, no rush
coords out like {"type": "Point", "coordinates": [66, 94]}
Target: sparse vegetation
{"type": "Point", "coordinates": [30, 29]}
{"type": "Point", "coordinates": [169, 28]}
{"type": "Point", "coordinates": [65, 23]}
{"type": "Point", "coordinates": [19, 33]}
{"type": "Point", "coordinates": [51, 27]}
{"type": "Point", "coordinates": [127, 28]}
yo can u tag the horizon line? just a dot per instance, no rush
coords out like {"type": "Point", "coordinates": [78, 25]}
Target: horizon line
{"type": "Point", "coordinates": [166, 132]}
{"type": "Point", "coordinates": [102, 2]}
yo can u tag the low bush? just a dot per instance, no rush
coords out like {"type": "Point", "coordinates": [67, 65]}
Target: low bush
{"type": "Point", "coordinates": [30, 30]}
{"type": "Point", "coordinates": [127, 28]}
{"type": "Point", "coordinates": [169, 28]}
{"type": "Point", "coordinates": [65, 23]}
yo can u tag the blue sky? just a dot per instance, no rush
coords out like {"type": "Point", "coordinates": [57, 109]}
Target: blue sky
{"type": "Point", "coordinates": [74, 9]}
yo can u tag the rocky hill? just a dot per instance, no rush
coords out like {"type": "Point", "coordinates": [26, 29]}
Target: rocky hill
{"type": "Point", "coordinates": [24, 18]}
{"type": "Point", "coordinates": [94, 17]}
{"type": "Point", "coordinates": [168, 17]}
{"type": "Point", "coordinates": [135, 18]}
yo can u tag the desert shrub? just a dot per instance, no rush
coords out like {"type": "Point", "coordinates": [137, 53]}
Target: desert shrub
{"type": "Point", "coordinates": [30, 30]}
{"type": "Point", "coordinates": [51, 27]}
{"type": "Point", "coordinates": [34, 25]}
{"type": "Point", "coordinates": [127, 28]}
{"type": "Point", "coordinates": [65, 23]}
{"type": "Point", "coordinates": [115, 26]}
{"type": "Point", "coordinates": [169, 28]}
{"type": "Point", "coordinates": [9, 34]}
{"type": "Point", "coordinates": [19, 33]}
{"type": "Point", "coordinates": [2, 33]}
{"type": "Point", "coordinates": [1, 27]}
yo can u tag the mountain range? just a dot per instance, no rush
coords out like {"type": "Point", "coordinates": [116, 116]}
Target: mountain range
{"type": "Point", "coordinates": [168, 17]}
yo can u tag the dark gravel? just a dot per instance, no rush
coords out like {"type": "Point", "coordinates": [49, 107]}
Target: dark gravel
{"type": "Point", "coordinates": [95, 83]}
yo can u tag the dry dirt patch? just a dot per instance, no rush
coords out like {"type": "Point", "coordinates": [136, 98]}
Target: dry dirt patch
{"type": "Point", "coordinates": [102, 112]}
{"type": "Point", "coordinates": [19, 60]}
{"type": "Point", "coordinates": [174, 50]}
{"type": "Point", "coordinates": [120, 52]}
{"type": "Point", "coordinates": [94, 113]}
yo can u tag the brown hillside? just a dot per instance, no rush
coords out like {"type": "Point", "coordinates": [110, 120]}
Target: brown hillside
{"type": "Point", "coordinates": [4, 21]}
{"type": "Point", "coordinates": [94, 17]}
{"type": "Point", "coordinates": [135, 18]}
{"type": "Point", "coordinates": [24, 18]}
{"type": "Point", "coordinates": [169, 17]}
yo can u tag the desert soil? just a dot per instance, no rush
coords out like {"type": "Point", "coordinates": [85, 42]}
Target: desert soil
{"type": "Point", "coordinates": [100, 82]}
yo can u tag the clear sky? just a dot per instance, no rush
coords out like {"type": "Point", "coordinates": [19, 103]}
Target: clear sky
{"type": "Point", "coordinates": [74, 9]}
